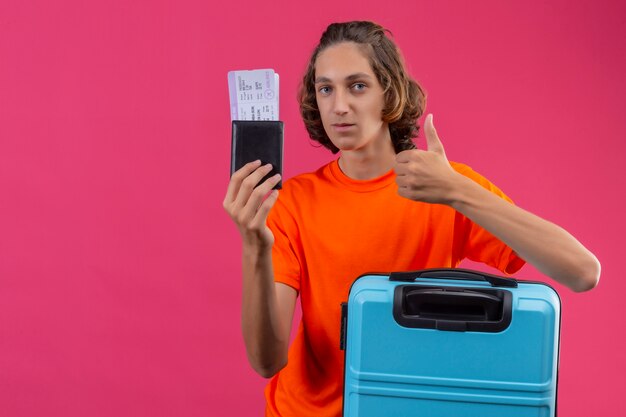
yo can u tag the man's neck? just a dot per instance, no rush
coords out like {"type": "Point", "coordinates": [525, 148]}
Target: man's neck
{"type": "Point", "coordinates": [365, 164]}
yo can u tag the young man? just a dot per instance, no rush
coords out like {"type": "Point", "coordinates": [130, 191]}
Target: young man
{"type": "Point", "coordinates": [381, 206]}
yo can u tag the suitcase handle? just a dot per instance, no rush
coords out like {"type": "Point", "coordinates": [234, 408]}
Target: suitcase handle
{"type": "Point", "coordinates": [443, 304]}
{"type": "Point", "coordinates": [454, 273]}
{"type": "Point", "coordinates": [452, 309]}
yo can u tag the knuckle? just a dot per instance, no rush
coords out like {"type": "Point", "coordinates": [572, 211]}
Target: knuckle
{"type": "Point", "coordinates": [253, 226]}
{"type": "Point", "coordinates": [240, 219]}
{"type": "Point", "coordinates": [267, 185]}
{"type": "Point", "coordinates": [256, 196]}
{"type": "Point", "coordinates": [248, 183]}
{"type": "Point", "coordinates": [268, 204]}
{"type": "Point", "coordinates": [239, 174]}
{"type": "Point", "coordinates": [276, 179]}
{"type": "Point", "coordinates": [270, 201]}
{"type": "Point", "coordinates": [412, 154]}
{"type": "Point", "coordinates": [271, 183]}
{"type": "Point", "coordinates": [261, 190]}
{"type": "Point", "coordinates": [229, 209]}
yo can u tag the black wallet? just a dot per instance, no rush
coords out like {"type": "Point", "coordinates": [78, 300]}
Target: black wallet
{"type": "Point", "coordinates": [254, 140]}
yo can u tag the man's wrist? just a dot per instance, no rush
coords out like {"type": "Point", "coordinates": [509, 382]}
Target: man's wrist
{"type": "Point", "coordinates": [256, 249]}
{"type": "Point", "coordinates": [462, 191]}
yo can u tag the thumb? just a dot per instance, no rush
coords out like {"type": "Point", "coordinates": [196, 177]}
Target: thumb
{"type": "Point", "coordinates": [432, 139]}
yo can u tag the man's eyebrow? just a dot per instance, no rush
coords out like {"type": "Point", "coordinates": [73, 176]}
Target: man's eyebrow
{"type": "Point", "coordinates": [351, 77]}
{"type": "Point", "coordinates": [358, 75]}
{"type": "Point", "coordinates": [322, 80]}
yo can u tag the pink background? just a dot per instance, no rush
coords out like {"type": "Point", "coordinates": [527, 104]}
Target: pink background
{"type": "Point", "coordinates": [119, 270]}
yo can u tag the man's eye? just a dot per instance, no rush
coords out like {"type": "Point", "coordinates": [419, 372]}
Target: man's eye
{"type": "Point", "coordinates": [359, 86]}
{"type": "Point", "coordinates": [324, 90]}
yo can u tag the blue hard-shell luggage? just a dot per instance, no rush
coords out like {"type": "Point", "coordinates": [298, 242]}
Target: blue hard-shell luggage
{"type": "Point", "coordinates": [450, 343]}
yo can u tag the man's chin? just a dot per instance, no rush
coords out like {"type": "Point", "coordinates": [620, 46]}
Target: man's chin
{"type": "Point", "coordinates": [346, 143]}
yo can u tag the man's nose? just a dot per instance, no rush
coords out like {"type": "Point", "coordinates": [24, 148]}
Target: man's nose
{"type": "Point", "coordinates": [340, 104]}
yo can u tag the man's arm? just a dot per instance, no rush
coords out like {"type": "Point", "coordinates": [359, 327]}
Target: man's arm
{"type": "Point", "coordinates": [267, 307]}
{"type": "Point", "coordinates": [548, 247]}
{"type": "Point", "coordinates": [427, 176]}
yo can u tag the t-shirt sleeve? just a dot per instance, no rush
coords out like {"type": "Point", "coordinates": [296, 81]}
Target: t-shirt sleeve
{"type": "Point", "coordinates": [479, 244]}
{"type": "Point", "coordinates": [284, 252]}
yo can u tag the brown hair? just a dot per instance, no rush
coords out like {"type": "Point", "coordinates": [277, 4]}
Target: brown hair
{"type": "Point", "coordinates": [404, 98]}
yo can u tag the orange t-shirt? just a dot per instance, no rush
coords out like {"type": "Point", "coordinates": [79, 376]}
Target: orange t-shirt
{"type": "Point", "coordinates": [328, 230]}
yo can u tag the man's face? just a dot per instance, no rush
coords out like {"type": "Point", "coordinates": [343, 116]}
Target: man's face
{"type": "Point", "coordinates": [349, 97]}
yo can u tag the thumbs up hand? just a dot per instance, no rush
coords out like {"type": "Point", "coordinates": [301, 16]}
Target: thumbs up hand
{"type": "Point", "coordinates": [426, 175]}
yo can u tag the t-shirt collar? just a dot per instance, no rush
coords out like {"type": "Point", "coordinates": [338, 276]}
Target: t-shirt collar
{"type": "Point", "coordinates": [361, 185]}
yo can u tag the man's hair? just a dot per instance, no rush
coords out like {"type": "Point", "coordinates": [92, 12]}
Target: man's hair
{"type": "Point", "coordinates": [404, 98]}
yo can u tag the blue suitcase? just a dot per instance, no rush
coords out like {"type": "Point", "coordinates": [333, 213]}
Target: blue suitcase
{"type": "Point", "coordinates": [450, 343]}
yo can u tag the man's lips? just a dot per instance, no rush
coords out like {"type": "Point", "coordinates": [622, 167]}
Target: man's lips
{"type": "Point", "coordinates": [342, 127]}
